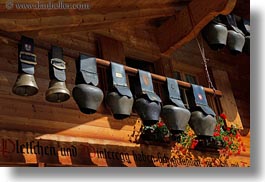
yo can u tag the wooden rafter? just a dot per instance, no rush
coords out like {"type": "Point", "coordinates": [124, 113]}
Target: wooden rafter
{"type": "Point", "coordinates": [188, 22]}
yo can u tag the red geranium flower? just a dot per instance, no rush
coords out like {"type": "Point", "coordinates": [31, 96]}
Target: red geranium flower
{"type": "Point", "coordinates": [216, 134]}
{"type": "Point", "coordinates": [160, 124]}
{"type": "Point", "coordinates": [225, 138]}
{"type": "Point", "coordinates": [223, 116]}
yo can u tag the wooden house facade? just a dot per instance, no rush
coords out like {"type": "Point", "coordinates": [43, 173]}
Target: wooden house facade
{"type": "Point", "coordinates": [155, 36]}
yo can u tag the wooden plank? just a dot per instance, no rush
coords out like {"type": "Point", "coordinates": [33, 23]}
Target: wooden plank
{"type": "Point", "coordinates": [20, 148]}
{"type": "Point", "coordinates": [228, 101]}
{"type": "Point", "coordinates": [111, 49]}
{"type": "Point", "coordinates": [188, 22]}
{"type": "Point", "coordinates": [42, 23]}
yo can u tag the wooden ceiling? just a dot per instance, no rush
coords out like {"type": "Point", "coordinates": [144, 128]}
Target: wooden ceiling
{"type": "Point", "coordinates": [160, 26]}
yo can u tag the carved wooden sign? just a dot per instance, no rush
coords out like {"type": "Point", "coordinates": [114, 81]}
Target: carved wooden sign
{"type": "Point", "coordinates": [29, 148]}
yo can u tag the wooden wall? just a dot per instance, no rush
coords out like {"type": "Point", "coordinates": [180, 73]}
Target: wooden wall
{"type": "Point", "coordinates": [43, 120]}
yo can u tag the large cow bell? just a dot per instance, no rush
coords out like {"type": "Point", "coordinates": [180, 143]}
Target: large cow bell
{"type": "Point", "coordinates": [202, 124]}
{"type": "Point", "coordinates": [121, 106]}
{"type": "Point", "coordinates": [57, 92]}
{"type": "Point", "coordinates": [202, 119]}
{"type": "Point", "coordinates": [215, 34]}
{"type": "Point", "coordinates": [148, 110]}
{"type": "Point", "coordinates": [235, 41]}
{"type": "Point", "coordinates": [25, 85]}
{"type": "Point", "coordinates": [87, 97]}
{"type": "Point", "coordinates": [235, 37]}
{"type": "Point", "coordinates": [147, 103]}
{"type": "Point", "coordinates": [174, 113]}
{"type": "Point", "coordinates": [119, 99]}
{"type": "Point", "coordinates": [176, 118]}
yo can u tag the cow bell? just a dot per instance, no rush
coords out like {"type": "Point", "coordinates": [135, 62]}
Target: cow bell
{"type": "Point", "coordinates": [215, 34]}
{"type": "Point", "coordinates": [174, 113]}
{"type": "Point", "coordinates": [148, 103]}
{"type": "Point", "coordinates": [202, 124]}
{"type": "Point", "coordinates": [57, 92]}
{"type": "Point", "coordinates": [120, 105]}
{"type": "Point", "coordinates": [119, 99]}
{"type": "Point", "coordinates": [87, 97]}
{"type": "Point", "coordinates": [235, 41]}
{"type": "Point", "coordinates": [148, 110]}
{"type": "Point", "coordinates": [176, 118]}
{"type": "Point", "coordinates": [25, 85]}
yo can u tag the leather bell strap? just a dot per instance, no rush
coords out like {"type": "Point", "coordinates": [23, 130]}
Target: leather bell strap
{"type": "Point", "coordinates": [200, 99]}
{"type": "Point", "coordinates": [27, 58]}
{"type": "Point", "coordinates": [231, 21]}
{"type": "Point", "coordinates": [217, 20]}
{"type": "Point", "coordinates": [244, 25]}
{"type": "Point", "coordinates": [57, 65]}
{"type": "Point", "coordinates": [87, 70]}
{"type": "Point", "coordinates": [146, 86]}
{"type": "Point", "coordinates": [174, 93]}
{"type": "Point", "coordinates": [119, 79]}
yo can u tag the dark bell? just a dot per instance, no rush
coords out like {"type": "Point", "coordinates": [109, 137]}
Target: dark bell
{"type": "Point", "coordinates": [121, 106]}
{"type": "Point", "coordinates": [202, 125]}
{"type": "Point", "coordinates": [87, 97]}
{"type": "Point", "coordinates": [148, 111]}
{"type": "Point", "coordinates": [57, 92]}
{"type": "Point", "coordinates": [235, 41]}
{"type": "Point", "coordinates": [176, 118]}
{"type": "Point", "coordinates": [25, 85]}
{"type": "Point", "coordinates": [215, 35]}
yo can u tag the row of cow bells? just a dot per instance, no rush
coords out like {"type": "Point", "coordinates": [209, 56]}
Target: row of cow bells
{"type": "Point", "coordinates": [119, 98]}
{"type": "Point", "coordinates": [26, 85]}
{"type": "Point", "coordinates": [229, 30]}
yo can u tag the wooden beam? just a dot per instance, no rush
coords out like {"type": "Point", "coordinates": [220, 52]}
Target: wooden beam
{"type": "Point", "coordinates": [59, 23]}
{"type": "Point", "coordinates": [188, 22]}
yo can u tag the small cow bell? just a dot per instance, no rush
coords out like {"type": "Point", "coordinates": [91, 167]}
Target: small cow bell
{"type": "Point", "coordinates": [216, 35]}
{"type": "Point", "coordinates": [202, 124]}
{"type": "Point", "coordinates": [57, 92]}
{"type": "Point", "coordinates": [121, 106]}
{"type": "Point", "coordinates": [87, 97]}
{"type": "Point", "coordinates": [148, 110]}
{"type": "Point", "coordinates": [25, 85]}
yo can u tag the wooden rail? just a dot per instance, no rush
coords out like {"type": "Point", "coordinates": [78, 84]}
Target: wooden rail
{"type": "Point", "coordinates": [8, 37]}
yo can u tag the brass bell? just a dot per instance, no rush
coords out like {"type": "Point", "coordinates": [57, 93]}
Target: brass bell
{"type": "Point", "coordinates": [25, 85]}
{"type": "Point", "coordinates": [57, 92]}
